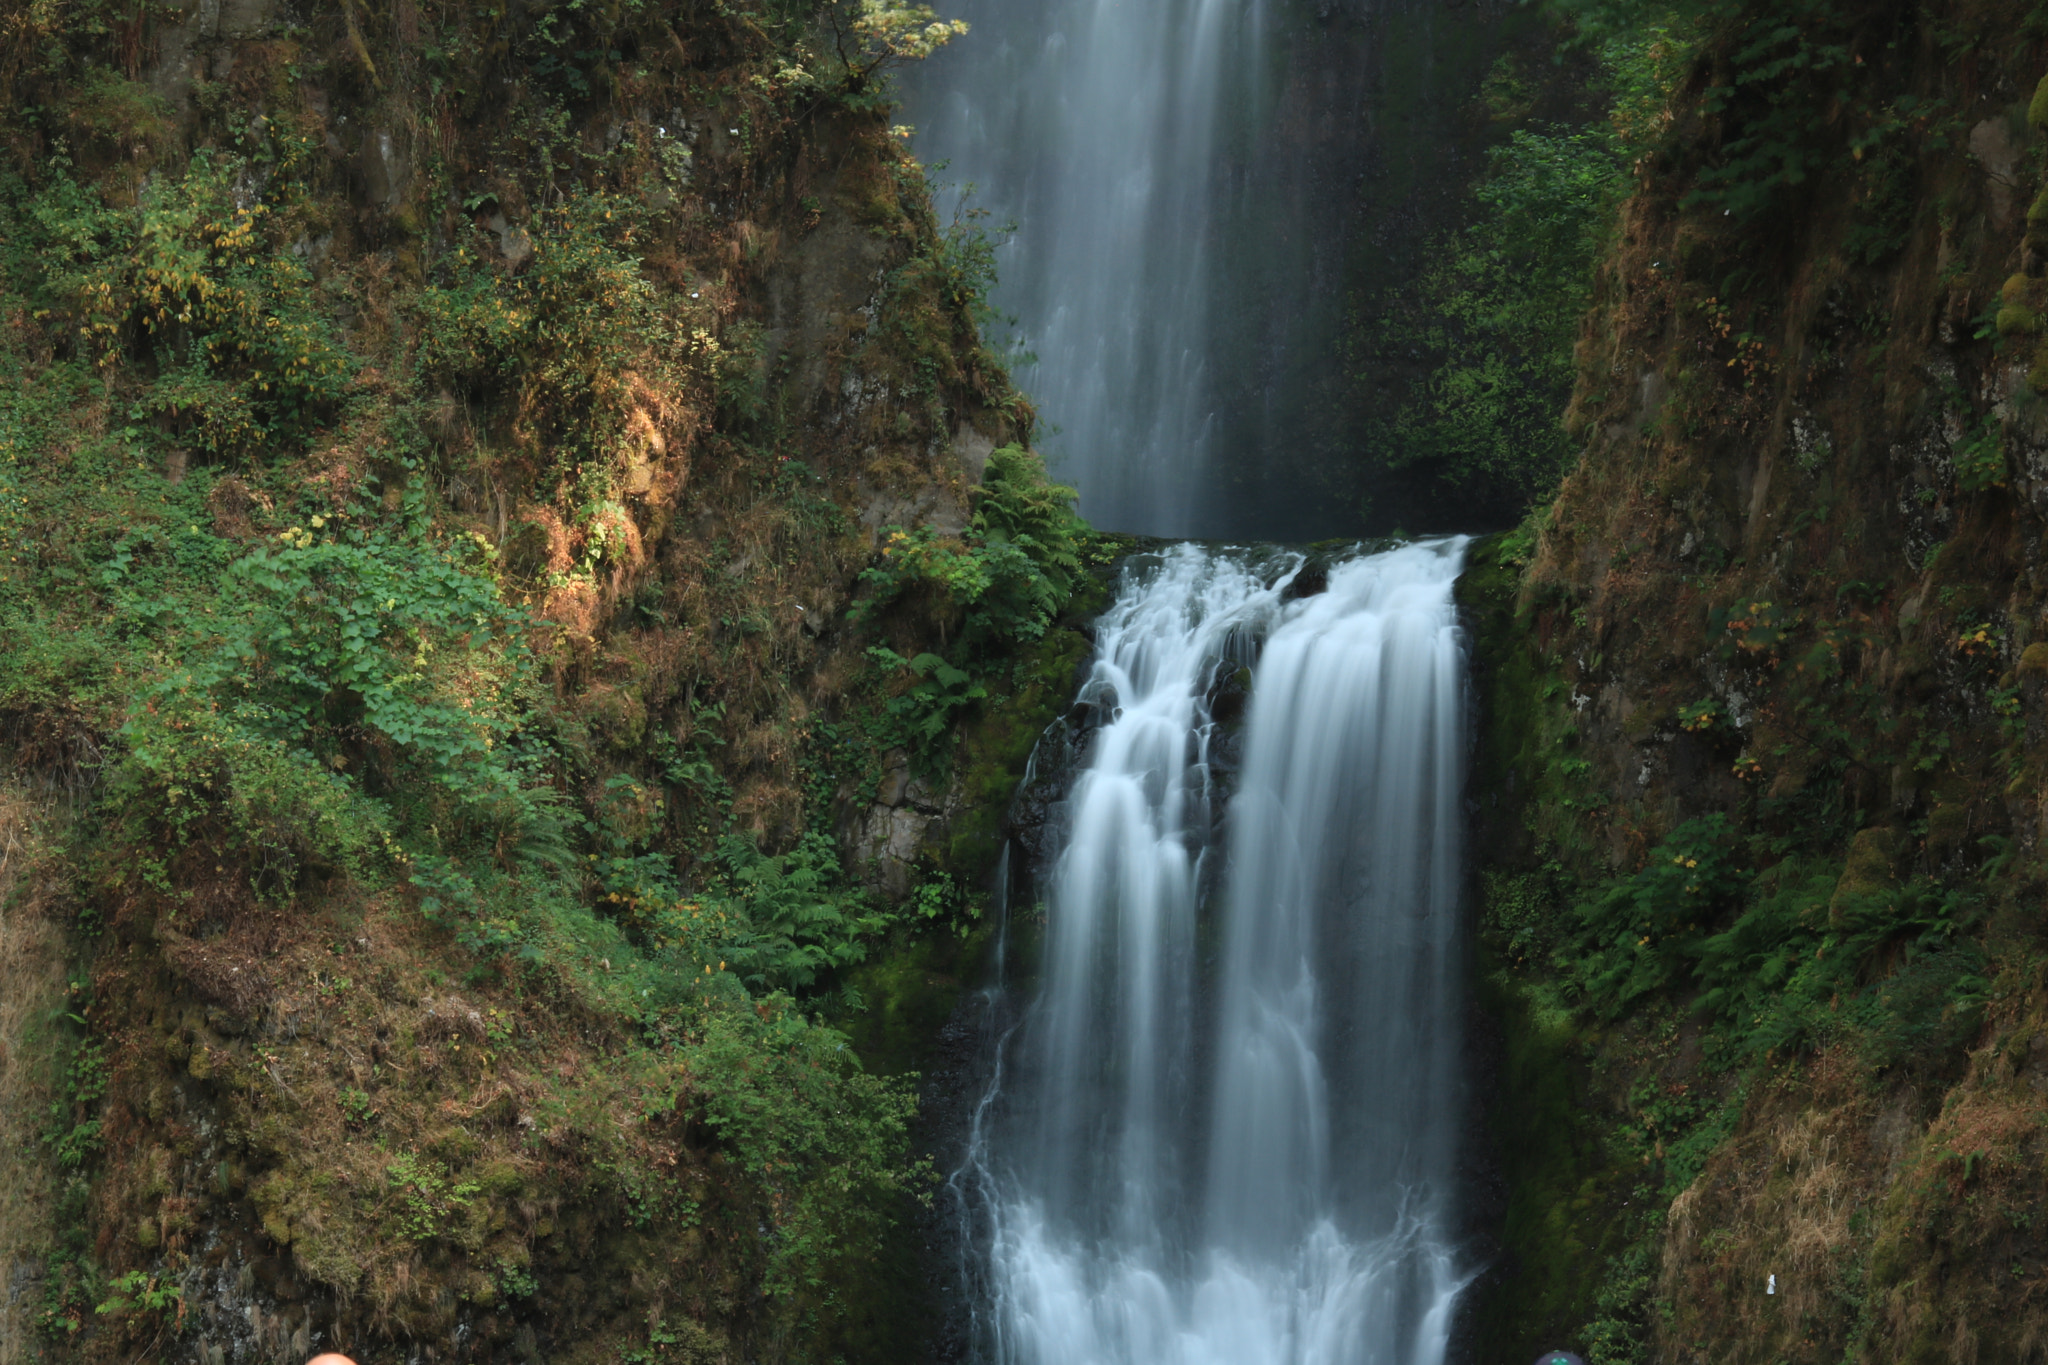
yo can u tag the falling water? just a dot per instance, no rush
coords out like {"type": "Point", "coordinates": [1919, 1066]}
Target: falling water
{"type": "Point", "coordinates": [1225, 1133]}
{"type": "Point", "coordinates": [1095, 125]}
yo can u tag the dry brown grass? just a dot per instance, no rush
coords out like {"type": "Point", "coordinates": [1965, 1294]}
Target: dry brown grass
{"type": "Point", "coordinates": [1777, 1201]}
{"type": "Point", "coordinates": [31, 986]}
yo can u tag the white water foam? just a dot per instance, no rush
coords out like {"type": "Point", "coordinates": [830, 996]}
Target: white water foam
{"type": "Point", "coordinates": [1252, 1161]}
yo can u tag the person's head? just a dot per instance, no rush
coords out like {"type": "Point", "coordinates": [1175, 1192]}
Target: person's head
{"type": "Point", "coordinates": [330, 1358]}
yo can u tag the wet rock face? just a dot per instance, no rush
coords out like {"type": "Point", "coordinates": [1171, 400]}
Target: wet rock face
{"type": "Point", "coordinates": [907, 820]}
{"type": "Point", "coordinates": [236, 1323]}
{"type": "Point", "coordinates": [1802, 600]}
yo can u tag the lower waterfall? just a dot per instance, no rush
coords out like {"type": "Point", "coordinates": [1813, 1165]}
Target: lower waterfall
{"type": "Point", "coordinates": [1226, 1130]}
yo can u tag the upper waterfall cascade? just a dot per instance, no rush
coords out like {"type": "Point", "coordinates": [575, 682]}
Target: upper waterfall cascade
{"type": "Point", "coordinates": [1103, 149]}
{"type": "Point", "coordinates": [1226, 1131]}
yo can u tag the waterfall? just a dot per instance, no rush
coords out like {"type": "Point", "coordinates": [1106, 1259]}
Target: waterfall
{"type": "Point", "coordinates": [1096, 126]}
{"type": "Point", "coordinates": [1226, 1131]}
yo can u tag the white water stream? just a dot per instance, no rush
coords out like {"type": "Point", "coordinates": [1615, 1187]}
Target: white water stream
{"type": "Point", "coordinates": [1096, 127]}
{"type": "Point", "coordinates": [1225, 1133]}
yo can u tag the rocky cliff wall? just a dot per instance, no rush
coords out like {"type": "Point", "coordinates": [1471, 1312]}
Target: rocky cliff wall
{"type": "Point", "coordinates": [632, 322]}
{"type": "Point", "coordinates": [1765, 735]}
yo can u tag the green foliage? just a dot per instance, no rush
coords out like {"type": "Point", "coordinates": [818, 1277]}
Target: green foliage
{"type": "Point", "coordinates": [1980, 456]}
{"type": "Point", "coordinates": [423, 1196]}
{"type": "Point", "coordinates": [926, 711]}
{"type": "Point", "coordinates": [693, 767]}
{"type": "Point", "coordinates": [1756, 627]}
{"type": "Point", "coordinates": [1798, 91]}
{"type": "Point", "coordinates": [563, 339]}
{"type": "Point", "coordinates": [514, 1281]}
{"type": "Point", "coordinates": [939, 898]}
{"type": "Point", "coordinates": [1005, 582]}
{"type": "Point", "coordinates": [358, 1110]}
{"type": "Point", "coordinates": [1646, 929]}
{"type": "Point", "coordinates": [141, 1291]}
{"type": "Point", "coordinates": [820, 1136]}
{"type": "Point", "coordinates": [935, 312]}
{"type": "Point", "coordinates": [1497, 316]}
{"type": "Point", "coordinates": [1018, 505]}
{"type": "Point", "coordinates": [1790, 61]}
{"type": "Point", "coordinates": [190, 771]}
{"type": "Point", "coordinates": [1700, 716]}
{"type": "Point", "coordinates": [779, 922]}
{"type": "Point", "coordinates": [74, 1135]}
{"type": "Point", "coordinates": [185, 277]}
{"type": "Point", "coordinates": [1783, 961]}
{"type": "Point", "coordinates": [345, 705]}
{"type": "Point", "coordinates": [1788, 979]}
{"type": "Point", "coordinates": [366, 633]}
{"type": "Point", "coordinates": [1009, 577]}
{"type": "Point", "coordinates": [356, 648]}
{"type": "Point", "coordinates": [872, 35]}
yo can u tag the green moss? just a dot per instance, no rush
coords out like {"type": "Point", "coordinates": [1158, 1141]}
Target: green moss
{"type": "Point", "coordinates": [1948, 826]}
{"type": "Point", "coordinates": [1530, 782]}
{"type": "Point", "coordinates": [1868, 870]}
{"type": "Point", "coordinates": [2015, 321]}
{"type": "Point", "coordinates": [994, 749]}
{"type": "Point", "coordinates": [2037, 108]}
{"type": "Point", "coordinates": [908, 993]}
{"type": "Point", "coordinates": [1557, 1225]}
{"type": "Point", "coordinates": [1545, 1137]}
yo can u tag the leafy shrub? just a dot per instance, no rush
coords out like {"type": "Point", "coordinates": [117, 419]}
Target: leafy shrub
{"type": "Point", "coordinates": [1010, 576]}
{"type": "Point", "coordinates": [187, 278]}
{"type": "Point", "coordinates": [1700, 715]}
{"type": "Point", "coordinates": [1980, 456]}
{"type": "Point", "coordinates": [424, 1196]}
{"type": "Point", "coordinates": [779, 922]}
{"type": "Point", "coordinates": [1017, 505]}
{"type": "Point", "coordinates": [1497, 316]}
{"type": "Point", "coordinates": [1005, 582]}
{"type": "Point", "coordinates": [1793, 96]}
{"type": "Point", "coordinates": [1646, 930]}
{"type": "Point", "coordinates": [821, 1137]}
{"type": "Point", "coordinates": [925, 712]}
{"type": "Point", "coordinates": [141, 1292]}
{"type": "Point", "coordinates": [190, 771]}
{"type": "Point", "coordinates": [363, 644]}
{"type": "Point", "coordinates": [1782, 961]}
{"type": "Point", "coordinates": [571, 342]}
{"type": "Point", "coordinates": [375, 653]}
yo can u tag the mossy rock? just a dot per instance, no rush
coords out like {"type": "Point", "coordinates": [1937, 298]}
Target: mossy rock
{"type": "Point", "coordinates": [2020, 303]}
{"type": "Point", "coordinates": [2037, 108]}
{"type": "Point", "coordinates": [1948, 827]}
{"type": "Point", "coordinates": [909, 992]}
{"type": "Point", "coordinates": [995, 748]}
{"type": "Point", "coordinates": [2023, 291]}
{"type": "Point", "coordinates": [2034, 662]}
{"type": "Point", "coordinates": [2014, 321]}
{"type": "Point", "coordinates": [1868, 870]}
{"type": "Point", "coordinates": [500, 1179]}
